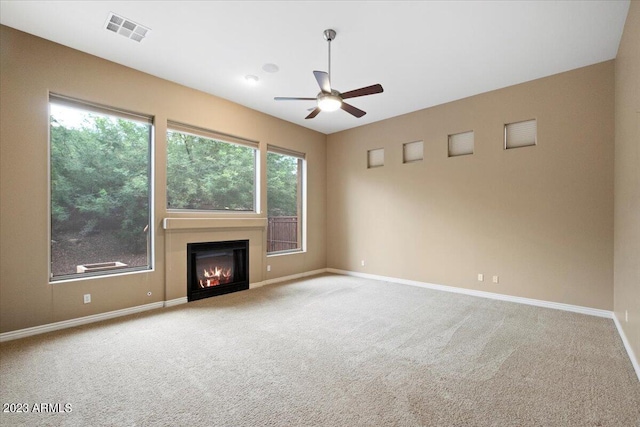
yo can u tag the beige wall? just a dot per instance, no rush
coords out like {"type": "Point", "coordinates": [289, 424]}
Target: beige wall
{"type": "Point", "coordinates": [30, 68]}
{"type": "Point", "coordinates": [541, 218]}
{"type": "Point", "coordinates": [627, 181]}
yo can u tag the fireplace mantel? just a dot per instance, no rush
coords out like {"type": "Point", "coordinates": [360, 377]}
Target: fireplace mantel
{"type": "Point", "coordinates": [179, 232]}
{"type": "Point", "coordinates": [213, 223]}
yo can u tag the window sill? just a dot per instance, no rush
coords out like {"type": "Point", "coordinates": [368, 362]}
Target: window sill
{"type": "Point", "coordinates": [292, 252]}
{"type": "Point", "coordinates": [68, 279]}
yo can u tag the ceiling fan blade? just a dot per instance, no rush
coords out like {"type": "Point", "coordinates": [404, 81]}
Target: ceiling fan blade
{"type": "Point", "coordinates": [288, 98]}
{"type": "Point", "coordinates": [369, 90]}
{"type": "Point", "coordinates": [313, 113]}
{"type": "Point", "coordinates": [352, 110]}
{"type": "Point", "coordinates": [323, 81]}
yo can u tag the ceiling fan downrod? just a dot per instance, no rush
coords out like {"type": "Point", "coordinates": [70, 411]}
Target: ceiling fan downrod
{"type": "Point", "coordinates": [329, 35]}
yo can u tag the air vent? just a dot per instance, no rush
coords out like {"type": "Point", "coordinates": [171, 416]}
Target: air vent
{"type": "Point", "coordinates": [126, 27]}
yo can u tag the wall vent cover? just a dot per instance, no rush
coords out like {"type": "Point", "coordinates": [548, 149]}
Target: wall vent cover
{"type": "Point", "coordinates": [126, 27]}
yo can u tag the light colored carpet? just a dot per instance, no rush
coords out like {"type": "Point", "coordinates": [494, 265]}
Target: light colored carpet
{"type": "Point", "coordinates": [329, 351]}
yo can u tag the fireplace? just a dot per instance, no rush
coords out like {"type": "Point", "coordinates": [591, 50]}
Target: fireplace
{"type": "Point", "coordinates": [216, 268]}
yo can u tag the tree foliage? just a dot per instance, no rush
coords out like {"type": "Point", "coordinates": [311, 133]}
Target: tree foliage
{"type": "Point", "coordinates": [282, 185]}
{"type": "Point", "coordinates": [100, 178]}
{"type": "Point", "coordinates": [100, 172]}
{"type": "Point", "coordinates": [206, 174]}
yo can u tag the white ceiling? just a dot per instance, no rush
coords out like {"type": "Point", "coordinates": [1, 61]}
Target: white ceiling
{"type": "Point", "coordinates": [423, 53]}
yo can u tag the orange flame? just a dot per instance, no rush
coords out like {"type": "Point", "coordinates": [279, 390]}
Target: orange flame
{"type": "Point", "coordinates": [214, 276]}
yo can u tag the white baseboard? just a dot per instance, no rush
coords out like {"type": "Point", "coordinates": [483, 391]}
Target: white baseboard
{"type": "Point", "coordinates": [529, 301]}
{"type": "Point", "coordinates": [176, 301]}
{"type": "Point", "coordinates": [627, 346]}
{"type": "Point", "coordinates": [22, 333]}
{"type": "Point", "coordinates": [256, 285]}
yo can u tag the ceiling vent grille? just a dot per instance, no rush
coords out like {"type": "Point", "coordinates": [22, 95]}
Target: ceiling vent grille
{"type": "Point", "coordinates": [126, 27]}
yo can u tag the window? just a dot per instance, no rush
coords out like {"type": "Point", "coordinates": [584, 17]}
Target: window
{"type": "Point", "coordinates": [412, 152]}
{"type": "Point", "coordinates": [285, 203]}
{"type": "Point", "coordinates": [375, 158]}
{"type": "Point", "coordinates": [100, 164]}
{"type": "Point", "coordinates": [520, 134]}
{"type": "Point", "coordinates": [461, 144]}
{"type": "Point", "coordinates": [209, 171]}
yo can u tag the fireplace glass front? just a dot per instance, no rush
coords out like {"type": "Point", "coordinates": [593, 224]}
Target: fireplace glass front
{"type": "Point", "coordinates": [216, 268]}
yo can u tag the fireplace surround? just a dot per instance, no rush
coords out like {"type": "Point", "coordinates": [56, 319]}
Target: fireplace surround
{"type": "Point", "coordinates": [217, 268]}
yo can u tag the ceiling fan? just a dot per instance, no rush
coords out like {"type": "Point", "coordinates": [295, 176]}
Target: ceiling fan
{"type": "Point", "coordinates": [329, 99]}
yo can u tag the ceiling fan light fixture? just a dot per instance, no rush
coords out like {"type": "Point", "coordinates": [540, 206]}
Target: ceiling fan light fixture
{"type": "Point", "coordinates": [329, 102]}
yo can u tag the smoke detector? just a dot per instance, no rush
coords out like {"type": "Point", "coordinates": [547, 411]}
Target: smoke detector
{"type": "Point", "coordinates": [126, 27]}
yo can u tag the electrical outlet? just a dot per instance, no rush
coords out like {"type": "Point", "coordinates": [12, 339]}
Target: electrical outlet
{"type": "Point", "coordinates": [362, 263]}
{"type": "Point", "coordinates": [268, 268]}
{"type": "Point", "coordinates": [480, 277]}
{"type": "Point", "coordinates": [626, 316]}
{"type": "Point", "coordinates": [495, 279]}
{"type": "Point", "coordinates": [87, 298]}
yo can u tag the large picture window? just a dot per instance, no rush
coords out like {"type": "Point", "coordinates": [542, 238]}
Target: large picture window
{"type": "Point", "coordinates": [100, 165]}
{"type": "Point", "coordinates": [209, 171]}
{"type": "Point", "coordinates": [285, 203]}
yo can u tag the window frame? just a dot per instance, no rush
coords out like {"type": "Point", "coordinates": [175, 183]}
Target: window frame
{"type": "Point", "coordinates": [409, 149]}
{"type": "Point", "coordinates": [301, 199]}
{"type": "Point", "coordinates": [121, 113]}
{"type": "Point", "coordinates": [375, 158]}
{"type": "Point", "coordinates": [200, 132]}
{"type": "Point", "coordinates": [508, 145]}
{"type": "Point", "coordinates": [453, 150]}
